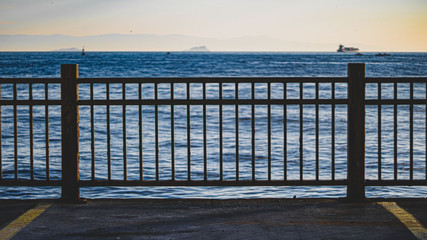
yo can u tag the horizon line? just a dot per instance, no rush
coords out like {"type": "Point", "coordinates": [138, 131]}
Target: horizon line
{"type": "Point", "coordinates": [219, 51]}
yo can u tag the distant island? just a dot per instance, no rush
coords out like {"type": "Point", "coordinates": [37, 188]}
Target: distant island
{"type": "Point", "coordinates": [199, 49]}
{"type": "Point", "coordinates": [72, 49]}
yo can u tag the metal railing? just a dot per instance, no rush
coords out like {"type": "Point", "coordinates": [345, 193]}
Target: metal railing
{"type": "Point", "coordinates": [209, 131]}
{"type": "Point", "coordinates": [387, 104]}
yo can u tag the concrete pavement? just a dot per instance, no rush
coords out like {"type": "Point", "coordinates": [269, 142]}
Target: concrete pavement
{"type": "Point", "coordinates": [215, 219]}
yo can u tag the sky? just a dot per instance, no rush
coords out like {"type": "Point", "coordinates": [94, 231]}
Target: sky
{"type": "Point", "coordinates": [395, 25]}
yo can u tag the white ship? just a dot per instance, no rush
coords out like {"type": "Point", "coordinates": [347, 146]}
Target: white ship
{"type": "Point", "coordinates": [341, 48]}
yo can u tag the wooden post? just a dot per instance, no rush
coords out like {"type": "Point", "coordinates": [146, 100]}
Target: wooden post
{"type": "Point", "coordinates": [70, 132]}
{"type": "Point", "coordinates": [356, 132]}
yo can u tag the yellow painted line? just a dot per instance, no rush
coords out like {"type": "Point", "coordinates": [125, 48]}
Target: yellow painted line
{"type": "Point", "coordinates": [14, 227]}
{"type": "Point", "coordinates": [407, 219]}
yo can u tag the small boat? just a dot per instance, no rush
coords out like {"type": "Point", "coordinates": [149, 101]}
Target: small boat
{"type": "Point", "coordinates": [358, 54]}
{"type": "Point", "coordinates": [382, 54]}
{"type": "Point", "coordinates": [83, 51]}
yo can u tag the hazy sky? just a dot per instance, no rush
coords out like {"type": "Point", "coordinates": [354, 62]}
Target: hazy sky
{"type": "Point", "coordinates": [394, 24]}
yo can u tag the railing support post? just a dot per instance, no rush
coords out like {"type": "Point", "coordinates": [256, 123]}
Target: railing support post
{"type": "Point", "coordinates": [356, 132]}
{"type": "Point", "coordinates": [70, 133]}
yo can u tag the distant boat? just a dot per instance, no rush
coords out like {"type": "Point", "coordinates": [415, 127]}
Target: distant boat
{"type": "Point", "coordinates": [83, 51]}
{"type": "Point", "coordinates": [358, 54]}
{"type": "Point", "coordinates": [382, 54]}
{"type": "Point", "coordinates": [341, 48]}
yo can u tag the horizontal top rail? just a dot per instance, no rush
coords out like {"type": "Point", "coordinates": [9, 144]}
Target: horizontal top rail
{"type": "Point", "coordinates": [396, 79]}
{"type": "Point", "coordinates": [30, 80]}
{"type": "Point", "coordinates": [214, 80]}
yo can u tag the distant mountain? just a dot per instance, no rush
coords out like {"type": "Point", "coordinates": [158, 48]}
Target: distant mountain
{"type": "Point", "coordinates": [147, 42]}
{"type": "Point", "coordinates": [72, 49]}
{"type": "Point", "coordinates": [199, 49]}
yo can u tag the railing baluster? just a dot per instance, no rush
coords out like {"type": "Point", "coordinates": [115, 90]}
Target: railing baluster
{"type": "Point", "coordinates": [269, 130]}
{"type": "Point", "coordinates": [141, 167]}
{"type": "Point", "coordinates": [108, 133]}
{"type": "Point", "coordinates": [31, 129]}
{"type": "Point", "coordinates": [124, 131]}
{"type": "Point", "coordinates": [46, 112]}
{"type": "Point", "coordinates": [15, 133]}
{"type": "Point", "coordinates": [1, 145]}
{"type": "Point", "coordinates": [317, 131]}
{"type": "Point", "coordinates": [395, 132]}
{"type": "Point", "coordinates": [236, 88]}
{"type": "Point", "coordinates": [205, 155]}
{"type": "Point", "coordinates": [221, 157]}
{"type": "Point", "coordinates": [411, 133]}
{"type": "Point", "coordinates": [301, 134]}
{"type": "Point", "coordinates": [92, 134]}
{"type": "Point", "coordinates": [379, 133]}
{"type": "Point", "coordinates": [253, 130]}
{"type": "Point", "coordinates": [156, 129]}
{"type": "Point", "coordinates": [172, 133]}
{"type": "Point", "coordinates": [285, 133]}
{"type": "Point", "coordinates": [188, 135]}
{"type": "Point", "coordinates": [333, 134]}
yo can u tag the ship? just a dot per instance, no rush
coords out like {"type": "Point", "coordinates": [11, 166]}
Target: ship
{"type": "Point", "coordinates": [83, 51]}
{"type": "Point", "coordinates": [341, 48]}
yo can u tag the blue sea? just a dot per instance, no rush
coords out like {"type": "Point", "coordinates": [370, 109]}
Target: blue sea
{"type": "Point", "coordinates": [212, 64]}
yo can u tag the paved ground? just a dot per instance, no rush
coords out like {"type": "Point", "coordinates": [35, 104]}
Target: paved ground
{"type": "Point", "coordinates": [214, 219]}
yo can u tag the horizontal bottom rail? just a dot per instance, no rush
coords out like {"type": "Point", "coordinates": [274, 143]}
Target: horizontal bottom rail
{"type": "Point", "coordinates": [246, 183]}
{"type": "Point", "coordinates": [395, 182]}
{"type": "Point", "coordinates": [30, 183]}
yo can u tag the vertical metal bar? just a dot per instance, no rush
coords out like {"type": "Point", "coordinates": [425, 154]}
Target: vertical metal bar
{"type": "Point", "coordinates": [92, 134]}
{"type": "Point", "coordinates": [379, 134]}
{"type": "Point", "coordinates": [15, 132]}
{"type": "Point", "coordinates": [395, 132]}
{"type": "Point", "coordinates": [269, 130]}
{"type": "Point", "coordinates": [425, 130]}
{"type": "Point", "coordinates": [156, 129]}
{"type": "Point", "coordinates": [1, 151]}
{"type": "Point", "coordinates": [30, 91]}
{"type": "Point", "coordinates": [46, 112]}
{"type": "Point", "coordinates": [141, 169]}
{"type": "Point", "coordinates": [205, 155]}
{"type": "Point", "coordinates": [221, 157]}
{"type": "Point", "coordinates": [70, 132]}
{"type": "Point", "coordinates": [356, 132]}
{"type": "Point", "coordinates": [236, 88]}
{"type": "Point", "coordinates": [108, 133]}
{"type": "Point", "coordinates": [301, 134]}
{"type": "Point", "coordinates": [333, 134]}
{"type": "Point", "coordinates": [188, 135]}
{"type": "Point", "coordinates": [317, 131]}
{"type": "Point", "coordinates": [253, 130]}
{"type": "Point", "coordinates": [285, 133]}
{"type": "Point", "coordinates": [411, 132]}
{"type": "Point", "coordinates": [172, 133]}
{"type": "Point", "coordinates": [124, 132]}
